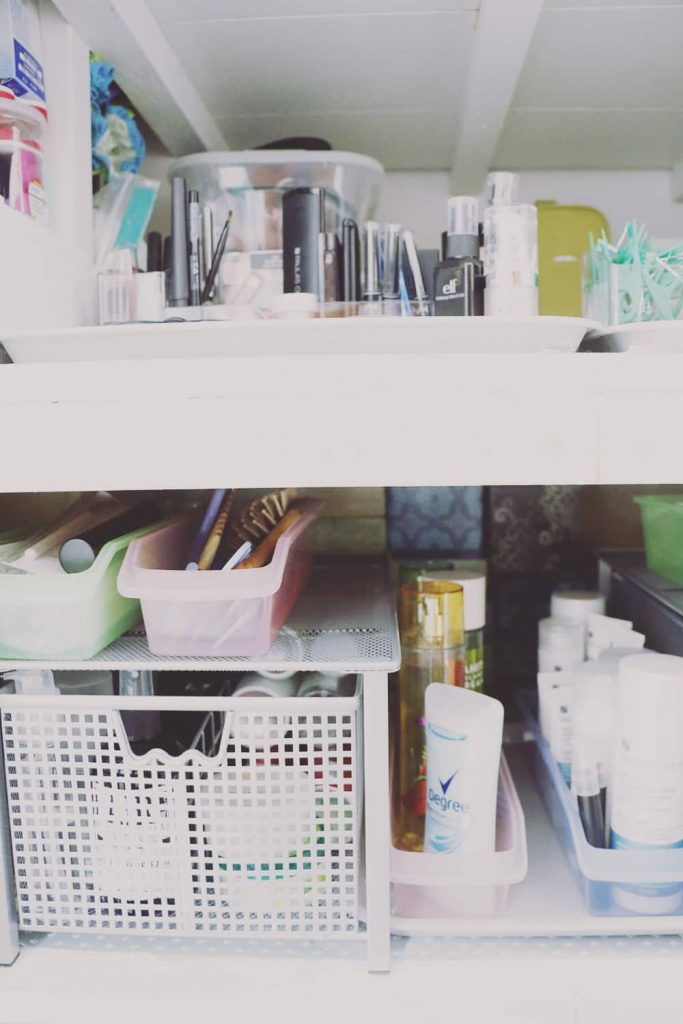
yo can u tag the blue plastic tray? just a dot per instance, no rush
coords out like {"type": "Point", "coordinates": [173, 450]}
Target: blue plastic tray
{"type": "Point", "coordinates": [615, 883]}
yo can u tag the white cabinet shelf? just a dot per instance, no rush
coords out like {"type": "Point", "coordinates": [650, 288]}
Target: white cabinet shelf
{"type": "Point", "coordinates": [349, 419]}
{"type": "Point", "coordinates": [536, 977]}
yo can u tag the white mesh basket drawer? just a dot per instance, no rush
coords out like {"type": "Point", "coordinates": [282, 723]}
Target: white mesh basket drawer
{"type": "Point", "coordinates": [253, 831]}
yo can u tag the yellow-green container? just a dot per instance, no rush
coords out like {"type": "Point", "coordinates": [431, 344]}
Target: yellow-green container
{"type": "Point", "coordinates": [564, 234]}
{"type": "Point", "coordinates": [662, 516]}
{"type": "Point", "coordinates": [66, 617]}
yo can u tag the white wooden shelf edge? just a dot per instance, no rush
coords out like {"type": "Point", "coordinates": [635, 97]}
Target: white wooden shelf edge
{"type": "Point", "coordinates": [350, 419]}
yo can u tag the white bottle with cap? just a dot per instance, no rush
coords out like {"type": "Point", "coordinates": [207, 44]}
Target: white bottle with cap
{"type": "Point", "coordinates": [510, 250]}
{"type": "Point", "coordinates": [594, 717]}
{"type": "Point", "coordinates": [473, 585]}
{"type": "Point", "coordinates": [561, 645]}
{"type": "Point", "coordinates": [646, 809]}
{"type": "Point", "coordinates": [576, 605]}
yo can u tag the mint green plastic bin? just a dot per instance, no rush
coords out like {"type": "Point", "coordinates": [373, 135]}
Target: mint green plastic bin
{"type": "Point", "coordinates": [67, 617]}
{"type": "Point", "coordinates": [662, 516]}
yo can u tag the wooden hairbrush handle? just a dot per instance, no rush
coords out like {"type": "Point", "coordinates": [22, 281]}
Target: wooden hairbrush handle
{"type": "Point", "coordinates": [264, 552]}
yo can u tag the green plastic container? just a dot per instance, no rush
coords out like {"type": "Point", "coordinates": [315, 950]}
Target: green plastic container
{"type": "Point", "coordinates": [662, 516]}
{"type": "Point", "coordinates": [67, 617]}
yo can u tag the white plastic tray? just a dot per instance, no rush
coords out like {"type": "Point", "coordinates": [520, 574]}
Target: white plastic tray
{"type": "Point", "coordinates": [399, 335]}
{"type": "Point", "coordinates": [652, 336]}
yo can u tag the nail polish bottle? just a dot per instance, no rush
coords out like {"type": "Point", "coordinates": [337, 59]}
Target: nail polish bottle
{"type": "Point", "coordinates": [459, 278]}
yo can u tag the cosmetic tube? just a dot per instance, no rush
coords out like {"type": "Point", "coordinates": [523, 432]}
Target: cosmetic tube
{"type": "Point", "coordinates": [179, 285]}
{"type": "Point", "coordinates": [561, 645]}
{"type": "Point", "coordinates": [555, 703]}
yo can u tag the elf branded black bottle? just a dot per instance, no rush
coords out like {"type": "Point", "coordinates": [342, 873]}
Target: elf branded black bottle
{"type": "Point", "coordinates": [459, 278]}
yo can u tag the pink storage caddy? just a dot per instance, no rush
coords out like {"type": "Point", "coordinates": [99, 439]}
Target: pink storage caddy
{"type": "Point", "coordinates": [230, 614]}
{"type": "Point", "coordinates": [442, 886]}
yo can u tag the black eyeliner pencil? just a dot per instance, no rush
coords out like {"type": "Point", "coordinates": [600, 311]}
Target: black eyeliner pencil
{"type": "Point", "coordinates": [217, 257]}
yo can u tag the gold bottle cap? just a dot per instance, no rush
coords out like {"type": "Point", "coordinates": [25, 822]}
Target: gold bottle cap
{"type": "Point", "coordinates": [432, 614]}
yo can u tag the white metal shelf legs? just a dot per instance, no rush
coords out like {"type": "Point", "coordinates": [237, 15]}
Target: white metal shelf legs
{"type": "Point", "coordinates": [9, 934]}
{"type": "Point", "coordinates": [377, 819]}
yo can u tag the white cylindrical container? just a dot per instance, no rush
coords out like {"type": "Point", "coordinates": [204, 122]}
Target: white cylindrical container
{"type": "Point", "coordinates": [561, 645]}
{"type": "Point", "coordinates": [464, 735]}
{"type": "Point", "coordinates": [647, 791]}
{"type": "Point", "coordinates": [511, 260]}
{"type": "Point", "coordinates": [594, 717]}
{"type": "Point", "coordinates": [576, 605]}
{"type": "Point", "coordinates": [318, 684]}
{"type": "Point", "coordinates": [94, 682]}
{"type": "Point", "coordinates": [555, 716]}
{"type": "Point", "coordinates": [255, 684]}
{"type": "Point", "coordinates": [277, 673]}
{"type": "Point", "coordinates": [258, 732]}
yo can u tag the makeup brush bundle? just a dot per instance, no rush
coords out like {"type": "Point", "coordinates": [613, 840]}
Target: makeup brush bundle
{"type": "Point", "coordinates": [232, 538]}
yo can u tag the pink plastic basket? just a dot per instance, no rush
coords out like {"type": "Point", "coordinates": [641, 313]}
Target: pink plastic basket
{"type": "Point", "coordinates": [214, 614]}
{"type": "Point", "coordinates": [438, 886]}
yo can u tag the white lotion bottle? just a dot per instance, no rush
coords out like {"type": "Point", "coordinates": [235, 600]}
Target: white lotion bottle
{"type": "Point", "coordinates": [646, 809]}
{"type": "Point", "coordinates": [464, 738]}
{"type": "Point", "coordinates": [561, 645]}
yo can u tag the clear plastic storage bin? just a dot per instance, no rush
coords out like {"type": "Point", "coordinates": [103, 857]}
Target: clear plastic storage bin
{"type": "Point", "coordinates": [214, 614]}
{"type": "Point", "coordinates": [442, 886]}
{"type": "Point", "coordinates": [251, 184]}
{"type": "Point", "coordinates": [615, 883]}
{"type": "Point", "coordinates": [662, 516]}
{"type": "Point", "coordinates": [66, 616]}
{"type": "Point", "coordinates": [223, 839]}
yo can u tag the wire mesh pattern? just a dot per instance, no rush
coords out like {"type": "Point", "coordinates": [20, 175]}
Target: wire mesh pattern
{"type": "Point", "coordinates": [261, 838]}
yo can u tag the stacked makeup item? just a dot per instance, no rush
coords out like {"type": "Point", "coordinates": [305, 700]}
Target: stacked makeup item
{"type": "Point", "coordinates": [605, 704]}
{"type": "Point", "coordinates": [487, 266]}
{"type": "Point", "coordinates": [331, 265]}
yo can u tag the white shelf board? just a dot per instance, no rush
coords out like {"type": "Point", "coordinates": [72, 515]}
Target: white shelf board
{"type": "Point", "coordinates": [350, 419]}
{"type": "Point", "coordinates": [344, 621]}
{"type": "Point", "coordinates": [333, 335]}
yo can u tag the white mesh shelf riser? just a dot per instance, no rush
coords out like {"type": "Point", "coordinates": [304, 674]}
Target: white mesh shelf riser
{"type": "Point", "coordinates": [262, 838]}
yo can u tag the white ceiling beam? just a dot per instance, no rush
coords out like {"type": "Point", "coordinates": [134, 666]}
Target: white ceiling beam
{"type": "Point", "coordinates": [126, 33]}
{"type": "Point", "coordinates": [503, 34]}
